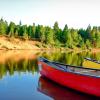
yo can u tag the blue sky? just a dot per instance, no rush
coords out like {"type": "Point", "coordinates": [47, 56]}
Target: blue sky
{"type": "Point", "coordinates": [75, 13]}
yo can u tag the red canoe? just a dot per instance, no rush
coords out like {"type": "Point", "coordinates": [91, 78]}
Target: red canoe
{"type": "Point", "coordinates": [79, 78]}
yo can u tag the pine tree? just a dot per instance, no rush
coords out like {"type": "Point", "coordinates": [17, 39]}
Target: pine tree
{"type": "Point", "coordinates": [25, 32]}
{"type": "Point", "coordinates": [64, 34]}
{"type": "Point", "coordinates": [69, 40]}
{"type": "Point", "coordinates": [11, 29]}
{"type": "Point", "coordinates": [56, 31]}
{"type": "Point", "coordinates": [30, 32]}
{"type": "Point", "coordinates": [3, 27]}
{"type": "Point", "coordinates": [33, 31]}
{"type": "Point", "coordinates": [49, 36]}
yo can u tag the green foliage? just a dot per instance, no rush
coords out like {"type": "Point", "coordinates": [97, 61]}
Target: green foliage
{"type": "Point", "coordinates": [49, 36]}
{"type": "Point", "coordinates": [3, 27]}
{"type": "Point", "coordinates": [30, 33]}
{"type": "Point", "coordinates": [70, 38]}
{"type": "Point", "coordinates": [16, 30]}
{"type": "Point", "coordinates": [24, 31]}
{"type": "Point", "coordinates": [64, 34]}
{"type": "Point", "coordinates": [88, 44]}
{"type": "Point", "coordinates": [11, 29]}
{"type": "Point", "coordinates": [75, 37]}
{"type": "Point", "coordinates": [97, 41]}
{"type": "Point", "coordinates": [69, 42]}
{"type": "Point", "coordinates": [56, 31]}
{"type": "Point", "coordinates": [33, 31]}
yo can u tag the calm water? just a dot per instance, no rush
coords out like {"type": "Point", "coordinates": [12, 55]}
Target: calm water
{"type": "Point", "coordinates": [20, 78]}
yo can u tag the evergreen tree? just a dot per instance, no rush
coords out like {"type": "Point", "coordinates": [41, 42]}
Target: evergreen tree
{"type": "Point", "coordinates": [3, 27]}
{"type": "Point", "coordinates": [97, 37]}
{"type": "Point", "coordinates": [64, 34]}
{"type": "Point", "coordinates": [40, 33]}
{"type": "Point", "coordinates": [93, 36]}
{"type": "Point", "coordinates": [88, 32]}
{"type": "Point", "coordinates": [49, 36]}
{"type": "Point", "coordinates": [75, 36]}
{"type": "Point", "coordinates": [56, 32]}
{"type": "Point", "coordinates": [16, 30]}
{"type": "Point", "coordinates": [30, 32]}
{"type": "Point", "coordinates": [11, 29]}
{"type": "Point", "coordinates": [37, 32]}
{"type": "Point", "coordinates": [69, 40]}
{"type": "Point", "coordinates": [33, 31]}
{"type": "Point", "coordinates": [24, 31]}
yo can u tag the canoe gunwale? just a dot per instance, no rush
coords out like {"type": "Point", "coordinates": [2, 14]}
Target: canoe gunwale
{"type": "Point", "coordinates": [54, 65]}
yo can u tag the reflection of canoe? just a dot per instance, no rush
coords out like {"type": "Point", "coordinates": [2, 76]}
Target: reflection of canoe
{"type": "Point", "coordinates": [57, 92]}
{"type": "Point", "coordinates": [90, 63]}
{"type": "Point", "coordinates": [81, 79]}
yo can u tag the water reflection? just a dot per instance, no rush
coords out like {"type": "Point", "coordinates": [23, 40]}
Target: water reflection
{"type": "Point", "coordinates": [71, 58]}
{"type": "Point", "coordinates": [56, 92]}
{"type": "Point", "coordinates": [15, 61]}
{"type": "Point", "coordinates": [23, 61]}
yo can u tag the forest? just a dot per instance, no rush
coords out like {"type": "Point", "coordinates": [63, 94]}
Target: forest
{"type": "Point", "coordinates": [54, 36]}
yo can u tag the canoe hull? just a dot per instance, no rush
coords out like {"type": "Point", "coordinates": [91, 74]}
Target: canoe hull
{"type": "Point", "coordinates": [83, 83]}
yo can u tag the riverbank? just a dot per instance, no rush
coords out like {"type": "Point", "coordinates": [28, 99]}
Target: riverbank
{"type": "Point", "coordinates": [8, 43]}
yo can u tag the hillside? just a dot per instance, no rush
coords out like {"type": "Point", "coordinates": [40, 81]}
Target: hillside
{"type": "Point", "coordinates": [7, 43]}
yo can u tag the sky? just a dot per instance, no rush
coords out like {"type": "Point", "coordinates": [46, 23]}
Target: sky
{"type": "Point", "coordinates": [74, 13]}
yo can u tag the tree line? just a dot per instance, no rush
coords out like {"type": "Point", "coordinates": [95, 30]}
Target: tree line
{"type": "Point", "coordinates": [54, 36]}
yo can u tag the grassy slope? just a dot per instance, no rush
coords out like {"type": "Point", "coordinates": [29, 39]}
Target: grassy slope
{"type": "Point", "coordinates": [16, 43]}
{"type": "Point", "coordinates": [7, 43]}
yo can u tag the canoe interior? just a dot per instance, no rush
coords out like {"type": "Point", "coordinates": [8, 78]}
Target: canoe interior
{"type": "Point", "coordinates": [93, 60]}
{"type": "Point", "coordinates": [91, 64]}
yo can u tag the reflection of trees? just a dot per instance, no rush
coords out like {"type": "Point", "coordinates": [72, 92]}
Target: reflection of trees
{"type": "Point", "coordinates": [23, 65]}
{"type": "Point", "coordinates": [96, 56]}
{"type": "Point", "coordinates": [2, 70]}
{"type": "Point", "coordinates": [30, 65]}
{"type": "Point", "coordinates": [71, 58]}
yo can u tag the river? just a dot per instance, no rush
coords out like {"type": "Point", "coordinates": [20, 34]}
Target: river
{"type": "Point", "coordinates": [20, 78]}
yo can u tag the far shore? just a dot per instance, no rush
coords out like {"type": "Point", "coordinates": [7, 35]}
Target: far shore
{"type": "Point", "coordinates": [7, 43]}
